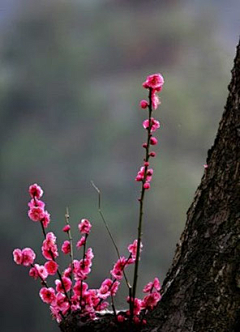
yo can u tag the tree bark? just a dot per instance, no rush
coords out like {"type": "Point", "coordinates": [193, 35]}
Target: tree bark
{"type": "Point", "coordinates": [201, 292]}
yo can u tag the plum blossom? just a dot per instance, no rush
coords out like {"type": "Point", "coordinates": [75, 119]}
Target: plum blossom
{"type": "Point", "coordinates": [155, 100]}
{"type": "Point", "coordinates": [132, 248]}
{"type": "Point", "coordinates": [24, 257]}
{"type": "Point", "coordinates": [35, 191]}
{"type": "Point", "coordinates": [84, 226]}
{"type": "Point", "coordinates": [153, 140]}
{"type": "Point", "coordinates": [83, 267]}
{"type": "Point", "coordinates": [34, 202]}
{"type": "Point", "coordinates": [38, 271]}
{"type": "Point", "coordinates": [153, 123]}
{"type": "Point", "coordinates": [63, 285]}
{"type": "Point", "coordinates": [66, 228]}
{"type": "Point", "coordinates": [81, 242]}
{"type": "Point", "coordinates": [51, 267]}
{"type": "Point", "coordinates": [137, 305]}
{"type": "Point", "coordinates": [66, 247]}
{"type": "Point", "coordinates": [45, 219]}
{"type": "Point", "coordinates": [155, 284]}
{"type": "Point", "coordinates": [36, 213]}
{"type": "Point", "coordinates": [47, 295]}
{"type": "Point", "coordinates": [17, 256]}
{"type": "Point", "coordinates": [80, 288]}
{"type": "Point", "coordinates": [141, 174]}
{"type": "Point", "coordinates": [151, 300]}
{"type": "Point", "coordinates": [143, 104]}
{"type": "Point", "coordinates": [49, 247]}
{"type": "Point", "coordinates": [117, 271]}
{"type": "Point", "coordinates": [154, 81]}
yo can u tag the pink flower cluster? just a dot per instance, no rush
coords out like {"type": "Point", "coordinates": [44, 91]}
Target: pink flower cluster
{"type": "Point", "coordinates": [70, 291]}
{"type": "Point", "coordinates": [36, 206]}
{"type": "Point", "coordinates": [154, 84]}
{"type": "Point", "coordinates": [140, 307]}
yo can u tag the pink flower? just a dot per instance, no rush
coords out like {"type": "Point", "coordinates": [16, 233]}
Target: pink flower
{"type": "Point", "coordinates": [42, 271]}
{"type": "Point", "coordinates": [46, 219]}
{"type": "Point", "coordinates": [68, 272]}
{"type": "Point", "coordinates": [36, 213]}
{"type": "Point", "coordinates": [152, 285]}
{"type": "Point", "coordinates": [66, 282]}
{"type": "Point", "coordinates": [104, 292]}
{"type": "Point", "coordinates": [47, 295]}
{"type": "Point", "coordinates": [84, 226]}
{"type": "Point", "coordinates": [136, 305]}
{"type": "Point", "coordinates": [151, 300]}
{"type": "Point", "coordinates": [17, 256]}
{"type": "Point", "coordinates": [146, 185]}
{"type": "Point", "coordinates": [38, 271]}
{"type": "Point", "coordinates": [140, 175]}
{"type": "Point", "coordinates": [35, 191]}
{"type": "Point", "coordinates": [80, 288]}
{"type": "Point", "coordinates": [49, 247]}
{"type": "Point", "coordinates": [114, 287]}
{"type": "Point", "coordinates": [81, 268]}
{"type": "Point", "coordinates": [33, 273]}
{"type": "Point", "coordinates": [36, 202]}
{"type": "Point", "coordinates": [61, 303]}
{"type": "Point", "coordinates": [154, 81]}
{"type": "Point", "coordinates": [143, 104]}
{"type": "Point", "coordinates": [66, 247]}
{"type": "Point", "coordinates": [89, 254]}
{"type": "Point", "coordinates": [51, 267]}
{"type": "Point", "coordinates": [28, 256]}
{"type": "Point", "coordinates": [66, 228]}
{"type": "Point", "coordinates": [117, 271]}
{"type": "Point", "coordinates": [132, 248]}
{"type": "Point", "coordinates": [152, 154]}
{"type": "Point", "coordinates": [153, 141]}
{"type": "Point", "coordinates": [81, 242]}
{"type": "Point", "coordinates": [154, 124]}
{"type": "Point", "coordinates": [155, 100]}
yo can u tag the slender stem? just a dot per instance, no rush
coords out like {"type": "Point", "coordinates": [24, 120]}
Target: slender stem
{"type": "Point", "coordinates": [67, 216]}
{"type": "Point", "coordinates": [141, 200]}
{"type": "Point", "coordinates": [108, 230]}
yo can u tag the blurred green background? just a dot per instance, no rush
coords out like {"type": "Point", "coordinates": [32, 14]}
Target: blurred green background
{"type": "Point", "coordinates": [71, 75]}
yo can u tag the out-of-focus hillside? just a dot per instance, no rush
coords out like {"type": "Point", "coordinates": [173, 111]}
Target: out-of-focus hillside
{"type": "Point", "coordinates": [71, 75]}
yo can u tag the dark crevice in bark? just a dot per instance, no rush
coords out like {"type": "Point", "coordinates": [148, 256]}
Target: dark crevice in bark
{"type": "Point", "coordinates": [201, 292]}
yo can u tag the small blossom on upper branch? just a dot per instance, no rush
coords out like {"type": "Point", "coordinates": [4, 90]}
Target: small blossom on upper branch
{"type": "Point", "coordinates": [132, 248]}
{"type": "Point", "coordinates": [155, 284]}
{"type": "Point", "coordinates": [66, 228]}
{"type": "Point", "coordinates": [35, 191]}
{"type": "Point", "coordinates": [84, 226]}
{"type": "Point", "coordinates": [153, 141]}
{"type": "Point", "coordinates": [81, 242]}
{"type": "Point", "coordinates": [143, 104]}
{"type": "Point", "coordinates": [66, 247]}
{"type": "Point", "coordinates": [49, 247]}
{"type": "Point", "coordinates": [153, 123]}
{"type": "Point", "coordinates": [154, 81]}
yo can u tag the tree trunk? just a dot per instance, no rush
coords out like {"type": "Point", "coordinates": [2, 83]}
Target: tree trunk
{"type": "Point", "coordinates": [201, 292]}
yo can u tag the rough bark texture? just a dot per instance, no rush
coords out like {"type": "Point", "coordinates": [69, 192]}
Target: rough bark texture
{"type": "Point", "coordinates": [201, 292]}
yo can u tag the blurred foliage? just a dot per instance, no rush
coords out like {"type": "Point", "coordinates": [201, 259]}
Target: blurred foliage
{"type": "Point", "coordinates": [71, 75]}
